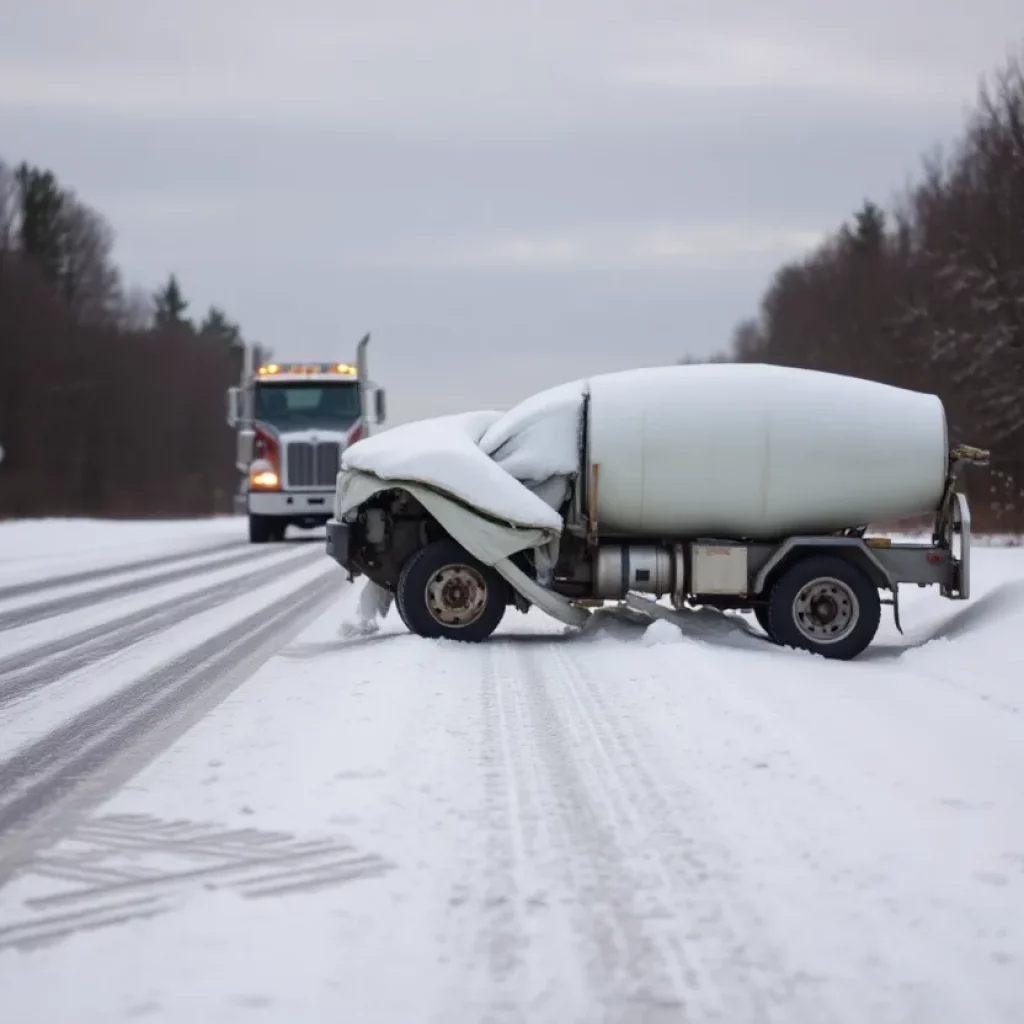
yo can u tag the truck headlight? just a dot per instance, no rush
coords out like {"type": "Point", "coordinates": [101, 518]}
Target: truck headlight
{"type": "Point", "coordinates": [263, 476]}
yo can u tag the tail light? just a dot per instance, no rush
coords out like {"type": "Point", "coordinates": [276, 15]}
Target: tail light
{"type": "Point", "coordinates": [355, 434]}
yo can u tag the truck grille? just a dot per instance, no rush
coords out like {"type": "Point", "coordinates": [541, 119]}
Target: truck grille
{"type": "Point", "coordinates": [312, 465]}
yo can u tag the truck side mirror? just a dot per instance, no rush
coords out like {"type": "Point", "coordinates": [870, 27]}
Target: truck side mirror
{"type": "Point", "coordinates": [380, 405]}
{"type": "Point", "coordinates": [233, 413]}
{"type": "Point", "coordinates": [245, 449]}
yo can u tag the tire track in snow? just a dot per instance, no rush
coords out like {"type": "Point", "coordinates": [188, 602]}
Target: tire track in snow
{"type": "Point", "coordinates": [73, 602]}
{"type": "Point", "coordinates": [92, 575]}
{"type": "Point", "coordinates": [510, 793]}
{"type": "Point", "coordinates": [730, 964]}
{"type": "Point", "coordinates": [30, 670]}
{"type": "Point", "coordinates": [557, 875]}
{"type": "Point", "coordinates": [86, 756]}
{"type": "Point", "coordinates": [654, 919]}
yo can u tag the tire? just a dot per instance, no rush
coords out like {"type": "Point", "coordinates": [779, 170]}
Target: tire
{"type": "Point", "coordinates": [259, 529]}
{"type": "Point", "coordinates": [434, 586]}
{"type": "Point", "coordinates": [401, 613]}
{"type": "Point", "coordinates": [850, 613]}
{"type": "Point", "coordinates": [264, 529]}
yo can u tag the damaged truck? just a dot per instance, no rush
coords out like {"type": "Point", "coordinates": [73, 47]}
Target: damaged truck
{"type": "Point", "coordinates": [739, 487]}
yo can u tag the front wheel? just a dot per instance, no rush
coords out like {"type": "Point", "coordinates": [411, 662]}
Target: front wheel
{"type": "Point", "coordinates": [825, 605]}
{"type": "Point", "coordinates": [444, 592]}
{"type": "Point", "coordinates": [264, 529]}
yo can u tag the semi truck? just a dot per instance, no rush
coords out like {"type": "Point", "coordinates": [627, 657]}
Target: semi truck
{"type": "Point", "coordinates": [293, 422]}
{"type": "Point", "coordinates": [739, 487]}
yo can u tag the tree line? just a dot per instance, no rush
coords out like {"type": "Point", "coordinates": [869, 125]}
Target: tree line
{"type": "Point", "coordinates": [927, 294]}
{"type": "Point", "coordinates": [111, 398]}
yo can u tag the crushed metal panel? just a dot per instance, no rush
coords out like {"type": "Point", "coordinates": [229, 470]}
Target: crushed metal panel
{"type": "Point", "coordinates": [719, 569]}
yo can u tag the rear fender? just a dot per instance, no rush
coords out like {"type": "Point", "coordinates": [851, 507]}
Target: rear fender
{"type": "Point", "coordinates": [791, 550]}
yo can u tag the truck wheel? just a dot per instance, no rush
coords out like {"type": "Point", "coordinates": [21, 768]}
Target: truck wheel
{"type": "Point", "coordinates": [266, 528]}
{"type": "Point", "coordinates": [401, 613]}
{"type": "Point", "coordinates": [259, 529]}
{"type": "Point", "coordinates": [825, 605]}
{"type": "Point", "coordinates": [444, 591]}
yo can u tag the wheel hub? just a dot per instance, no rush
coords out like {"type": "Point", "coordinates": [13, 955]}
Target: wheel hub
{"type": "Point", "coordinates": [825, 610]}
{"type": "Point", "coordinates": [456, 595]}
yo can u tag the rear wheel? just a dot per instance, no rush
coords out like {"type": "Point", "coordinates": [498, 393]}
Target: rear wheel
{"type": "Point", "coordinates": [444, 592]}
{"type": "Point", "coordinates": [825, 605]}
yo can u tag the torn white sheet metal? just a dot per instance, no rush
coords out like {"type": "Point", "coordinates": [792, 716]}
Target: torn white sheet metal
{"type": "Point", "coordinates": [445, 456]}
{"type": "Point", "coordinates": [494, 481]}
{"type": "Point", "coordinates": [486, 539]}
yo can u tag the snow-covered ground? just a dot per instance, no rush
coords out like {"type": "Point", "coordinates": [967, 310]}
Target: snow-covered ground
{"type": "Point", "coordinates": [42, 548]}
{"type": "Point", "coordinates": [629, 825]}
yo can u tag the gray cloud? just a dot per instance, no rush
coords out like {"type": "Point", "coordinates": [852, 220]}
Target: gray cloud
{"type": "Point", "coordinates": [508, 195]}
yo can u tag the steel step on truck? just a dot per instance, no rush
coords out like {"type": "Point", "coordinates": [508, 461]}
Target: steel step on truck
{"type": "Point", "coordinates": [293, 422]}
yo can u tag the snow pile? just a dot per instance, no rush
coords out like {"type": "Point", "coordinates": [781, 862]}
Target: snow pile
{"type": "Point", "coordinates": [514, 466]}
{"type": "Point", "coordinates": [661, 631]}
{"type": "Point", "coordinates": [445, 455]}
{"type": "Point", "coordinates": [539, 439]}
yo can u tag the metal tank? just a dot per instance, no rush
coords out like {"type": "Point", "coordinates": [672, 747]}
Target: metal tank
{"type": "Point", "coordinates": [757, 452]}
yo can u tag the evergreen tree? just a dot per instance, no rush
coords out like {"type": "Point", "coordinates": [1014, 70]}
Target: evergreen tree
{"type": "Point", "coordinates": [217, 327]}
{"type": "Point", "coordinates": [169, 306]}
{"type": "Point", "coordinates": [41, 201]}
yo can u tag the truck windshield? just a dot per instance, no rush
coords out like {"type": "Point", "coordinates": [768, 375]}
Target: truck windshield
{"type": "Point", "coordinates": [308, 405]}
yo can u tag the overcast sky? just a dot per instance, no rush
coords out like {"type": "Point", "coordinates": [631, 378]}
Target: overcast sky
{"type": "Point", "coordinates": [507, 194]}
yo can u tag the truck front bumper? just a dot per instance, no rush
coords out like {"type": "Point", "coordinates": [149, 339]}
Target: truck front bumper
{"type": "Point", "coordinates": [297, 504]}
{"type": "Point", "coordinates": [338, 542]}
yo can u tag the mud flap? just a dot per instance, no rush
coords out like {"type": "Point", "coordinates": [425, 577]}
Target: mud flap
{"type": "Point", "coordinates": [895, 602]}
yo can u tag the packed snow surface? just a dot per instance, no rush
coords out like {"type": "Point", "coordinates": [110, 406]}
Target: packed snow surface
{"type": "Point", "coordinates": [638, 822]}
{"type": "Point", "coordinates": [35, 548]}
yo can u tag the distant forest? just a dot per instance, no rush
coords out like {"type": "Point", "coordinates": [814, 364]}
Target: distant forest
{"type": "Point", "coordinates": [928, 294]}
{"type": "Point", "coordinates": [111, 398]}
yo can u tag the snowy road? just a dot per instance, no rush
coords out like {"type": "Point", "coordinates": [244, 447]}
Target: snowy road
{"type": "Point", "coordinates": [102, 664]}
{"type": "Point", "coordinates": [212, 807]}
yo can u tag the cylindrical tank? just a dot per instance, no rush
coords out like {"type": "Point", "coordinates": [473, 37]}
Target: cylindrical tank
{"type": "Point", "coordinates": [744, 450]}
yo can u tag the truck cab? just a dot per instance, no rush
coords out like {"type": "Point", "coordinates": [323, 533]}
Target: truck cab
{"type": "Point", "coordinates": [293, 422]}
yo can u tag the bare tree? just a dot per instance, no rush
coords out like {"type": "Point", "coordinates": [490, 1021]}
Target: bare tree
{"type": "Point", "coordinates": [89, 280]}
{"type": "Point", "coordinates": [136, 312]}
